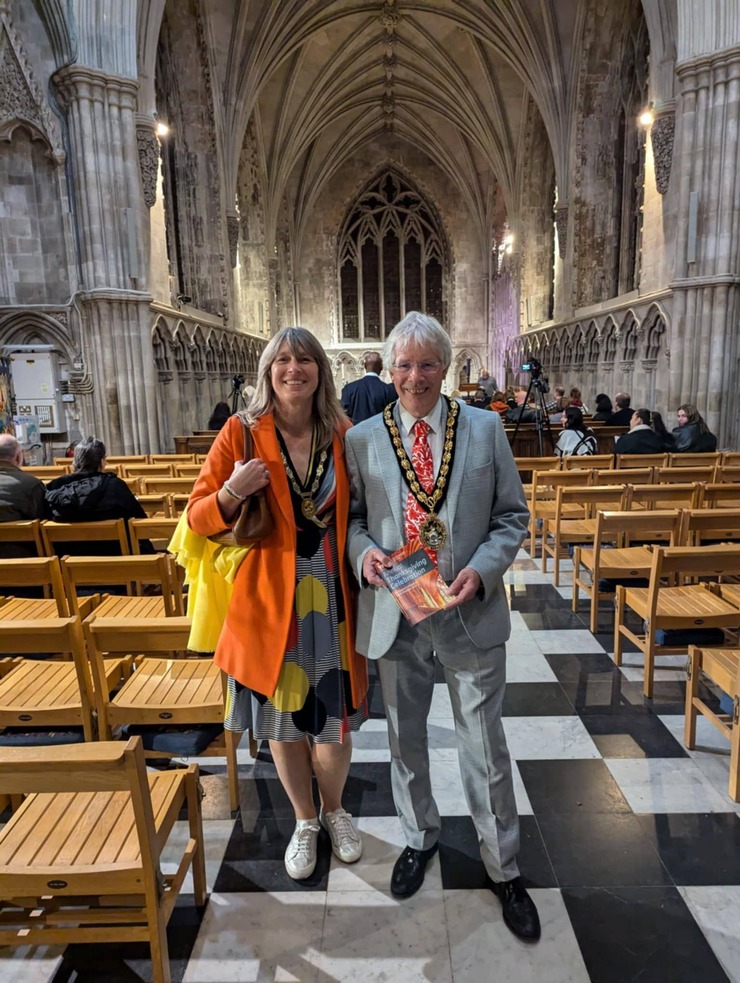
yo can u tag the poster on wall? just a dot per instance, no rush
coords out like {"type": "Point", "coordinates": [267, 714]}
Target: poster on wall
{"type": "Point", "coordinates": [6, 416]}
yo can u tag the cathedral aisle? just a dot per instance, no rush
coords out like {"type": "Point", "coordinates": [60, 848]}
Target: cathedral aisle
{"type": "Point", "coordinates": [630, 844]}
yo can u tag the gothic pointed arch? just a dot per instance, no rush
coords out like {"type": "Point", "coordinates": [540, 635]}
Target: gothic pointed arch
{"type": "Point", "coordinates": [393, 257]}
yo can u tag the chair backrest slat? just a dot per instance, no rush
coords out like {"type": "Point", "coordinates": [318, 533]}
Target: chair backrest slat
{"type": "Point", "coordinates": [43, 571]}
{"type": "Point", "coordinates": [109, 530]}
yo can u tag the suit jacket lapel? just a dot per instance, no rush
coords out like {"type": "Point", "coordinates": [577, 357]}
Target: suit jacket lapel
{"type": "Point", "coordinates": [389, 468]}
{"type": "Point", "coordinates": [458, 464]}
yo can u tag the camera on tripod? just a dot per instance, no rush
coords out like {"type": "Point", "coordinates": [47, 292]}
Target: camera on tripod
{"type": "Point", "coordinates": [534, 366]}
{"type": "Point", "coordinates": [237, 382]}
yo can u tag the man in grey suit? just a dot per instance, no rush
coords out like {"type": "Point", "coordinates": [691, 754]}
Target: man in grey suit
{"type": "Point", "coordinates": [460, 489]}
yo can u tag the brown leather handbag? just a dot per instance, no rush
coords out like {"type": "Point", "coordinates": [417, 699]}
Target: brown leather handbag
{"type": "Point", "coordinates": [254, 520]}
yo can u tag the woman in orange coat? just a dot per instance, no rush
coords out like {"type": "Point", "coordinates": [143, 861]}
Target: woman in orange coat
{"type": "Point", "coordinates": [287, 644]}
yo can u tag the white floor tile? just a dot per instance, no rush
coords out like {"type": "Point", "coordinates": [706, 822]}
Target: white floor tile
{"type": "Point", "coordinates": [258, 937]}
{"type": "Point", "coordinates": [666, 785]}
{"type": "Point", "coordinates": [29, 964]}
{"type": "Point", "coordinates": [525, 663]}
{"type": "Point", "coordinates": [480, 941]}
{"type": "Point", "coordinates": [370, 743]}
{"type": "Point", "coordinates": [382, 843]}
{"type": "Point", "coordinates": [563, 642]}
{"type": "Point", "coordinates": [538, 738]}
{"type": "Point", "coordinates": [216, 835]}
{"type": "Point", "coordinates": [716, 911]}
{"type": "Point", "coordinates": [711, 754]}
{"type": "Point", "coordinates": [369, 938]}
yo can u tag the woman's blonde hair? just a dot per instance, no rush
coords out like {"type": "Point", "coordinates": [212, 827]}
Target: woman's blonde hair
{"type": "Point", "coordinates": [328, 415]}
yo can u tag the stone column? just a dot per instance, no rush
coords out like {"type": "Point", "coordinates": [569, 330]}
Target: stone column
{"type": "Point", "coordinates": [704, 348]}
{"type": "Point", "coordinates": [109, 214]}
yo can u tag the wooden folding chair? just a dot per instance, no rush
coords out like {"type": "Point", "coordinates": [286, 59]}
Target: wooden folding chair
{"type": "Point", "coordinates": [130, 572]}
{"type": "Point", "coordinates": [544, 492]}
{"type": "Point", "coordinates": [721, 496]}
{"type": "Point", "coordinates": [38, 572]}
{"type": "Point", "coordinates": [38, 693]}
{"type": "Point", "coordinates": [178, 502]}
{"type": "Point", "coordinates": [566, 531]}
{"type": "Point", "coordinates": [624, 476]}
{"type": "Point", "coordinates": [722, 667]}
{"type": "Point", "coordinates": [626, 561]}
{"type": "Point", "coordinates": [80, 860]}
{"type": "Point", "coordinates": [685, 606]}
{"type": "Point", "coordinates": [187, 470]}
{"type": "Point", "coordinates": [127, 459]}
{"type": "Point", "coordinates": [62, 462]}
{"type": "Point", "coordinates": [719, 525]}
{"type": "Point", "coordinates": [158, 530]}
{"type": "Point", "coordinates": [187, 691]}
{"type": "Point", "coordinates": [577, 462]}
{"type": "Point", "coordinates": [56, 534]}
{"type": "Point", "coordinates": [728, 474]}
{"type": "Point", "coordinates": [680, 496]}
{"type": "Point", "coordinates": [730, 459]}
{"type": "Point", "coordinates": [694, 460]}
{"type": "Point", "coordinates": [147, 470]}
{"type": "Point", "coordinates": [674, 475]}
{"type": "Point", "coordinates": [167, 486]}
{"type": "Point", "coordinates": [155, 506]}
{"type": "Point", "coordinates": [641, 460]}
{"type": "Point", "coordinates": [23, 531]}
{"type": "Point", "coordinates": [173, 459]}
{"type": "Point", "coordinates": [46, 472]}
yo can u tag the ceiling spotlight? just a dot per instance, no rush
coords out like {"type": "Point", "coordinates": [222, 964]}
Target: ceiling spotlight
{"type": "Point", "coordinates": [646, 117]}
{"type": "Point", "coordinates": [162, 129]}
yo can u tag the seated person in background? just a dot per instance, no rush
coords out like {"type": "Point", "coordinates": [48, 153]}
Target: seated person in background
{"type": "Point", "coordinates": [576, 438]}
{"type": "Point", "coordinates": [623, 414]}
{"type": "Point", "coordinates": [21, 495]}
{"type": "Point", "coordinates": [575, 400]}
{"type": "Point", "coordinates": [692, 433]}
{"type": "Point", "coordinates": [558, 402]}
{"type": "Point", "coordinates": [498, 404]}
{"type": "Point", "coordinates": [604, 408]}
{"type": "Point", "coordinates": [91, 494]}
{"type": "Point", "coordinates": [221, 413]}
{"type": "Point", "coordinates": [642, 438]}
{"type": "Point", "coordinates": [519, 410]}
{"type": "Point", "coordinates": [480, 400]}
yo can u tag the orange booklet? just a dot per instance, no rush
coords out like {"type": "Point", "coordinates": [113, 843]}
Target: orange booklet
{"type": "Point", "coordinates": [415, 583]}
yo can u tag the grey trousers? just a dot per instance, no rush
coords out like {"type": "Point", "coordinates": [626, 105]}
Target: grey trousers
{"type": "Point", "coordinates": [476, 679]}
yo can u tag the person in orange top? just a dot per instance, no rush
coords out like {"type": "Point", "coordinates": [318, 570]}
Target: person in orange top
{"type": "Point", "coordinates": [287, 644]}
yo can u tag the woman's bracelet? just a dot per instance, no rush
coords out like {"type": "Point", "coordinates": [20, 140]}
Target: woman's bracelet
{"type": "Point", "coordinates": [230, 491]}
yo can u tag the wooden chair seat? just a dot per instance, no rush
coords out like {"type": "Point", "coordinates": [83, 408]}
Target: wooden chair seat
{"type": "Point", "coordinates": [122, 606]}
{"type": "Point", "coordinates": [80, 859]}
{"type": "Point", "coordinates": [180, 691]}
{"type": "Point", "coordinates": [722, 666]}
{"type": "Point", "coordinates": [27, 609]}
{"type": "Point", "coordinates": [686, 607]}
{"type": "Point", "coordinates": [632, 561]}
{"type": "Point", "coordinates": [564, 531]}
{"type": "Point", "coordinates": [34, 692]}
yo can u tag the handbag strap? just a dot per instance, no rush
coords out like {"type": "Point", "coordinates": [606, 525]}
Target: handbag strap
{"type": "Point", "coordinates": [248, 442]}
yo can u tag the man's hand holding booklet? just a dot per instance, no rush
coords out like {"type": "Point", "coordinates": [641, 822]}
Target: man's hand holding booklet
{"type": "Point", "coordinates": [415, 583]}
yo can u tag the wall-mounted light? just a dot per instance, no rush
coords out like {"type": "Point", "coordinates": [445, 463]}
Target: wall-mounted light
{"type": "Point", "coordinates": [508, 243]}
{"type": "Point", "coordinates": [646, 117]}
{"type": "Point", "coordinates": [162, 129]}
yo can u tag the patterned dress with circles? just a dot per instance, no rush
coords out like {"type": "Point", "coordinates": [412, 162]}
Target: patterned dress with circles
{"type": "Point", "coordinates": [313, 696]}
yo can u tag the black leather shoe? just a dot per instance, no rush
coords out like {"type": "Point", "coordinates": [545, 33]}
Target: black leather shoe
{"type": "Point", "coordinates": [408, 871]}
{"type": "Point", "coordinates": [520, 914]}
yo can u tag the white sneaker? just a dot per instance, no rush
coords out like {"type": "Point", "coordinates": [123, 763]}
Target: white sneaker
{"type": "Point", "coordinates": [345, 840]}
{"type": "Point", "coordinates": [300, 857]}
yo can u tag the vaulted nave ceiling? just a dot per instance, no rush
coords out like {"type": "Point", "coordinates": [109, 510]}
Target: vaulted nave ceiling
{"type": "Point", "coordinates": [326, 79]}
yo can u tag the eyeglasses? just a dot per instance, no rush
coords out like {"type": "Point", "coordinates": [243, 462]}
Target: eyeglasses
{"type": "Point", "coordinates": [426, 368]}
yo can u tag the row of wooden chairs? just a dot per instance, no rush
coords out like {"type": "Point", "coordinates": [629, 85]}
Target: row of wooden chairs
{"type": "Point", "coordinates": [47, 538]}
{"type": "Point", "coordinates": [688, 460]}
{"type": "Point", "coordinates": [721, 666]}
{"type": "Point", "coordinates": [620, 546]}
{"type": "Point", "coordinates": [114, 672]}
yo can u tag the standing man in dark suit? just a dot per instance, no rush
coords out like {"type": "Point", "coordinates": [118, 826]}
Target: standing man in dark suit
{"type": "Point", "coordinates": [369, 395]}
{"type": "Point", "coordinates": [434, 470]}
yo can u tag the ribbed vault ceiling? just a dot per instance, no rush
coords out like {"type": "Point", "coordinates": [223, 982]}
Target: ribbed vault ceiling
{"type": "Point", "coordinates": [323, 79]}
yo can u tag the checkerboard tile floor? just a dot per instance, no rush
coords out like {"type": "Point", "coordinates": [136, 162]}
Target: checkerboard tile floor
{"type": "Point", "coordinates": [630, 845]}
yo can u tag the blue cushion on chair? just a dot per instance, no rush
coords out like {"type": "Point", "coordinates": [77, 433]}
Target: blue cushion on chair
{"type": "Point", "coordinates": [726, 703]}
{"type": "Point", "coordinates": [689, 636]}
{"type": "Point", "coordinates": [606, 585]}
{"type": "Point", "coordinates": [185, 741]}
{"type": "Point", "coordinates": [18, 737]}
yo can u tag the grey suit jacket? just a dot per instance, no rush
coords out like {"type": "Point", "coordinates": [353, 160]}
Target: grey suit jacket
{"type": "Point", "coordinates": [488, 518]}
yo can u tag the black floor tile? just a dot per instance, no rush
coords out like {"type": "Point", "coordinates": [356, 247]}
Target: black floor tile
{"type": "Point", "coordinates": [130, 962]}
{"type": "Point", "coordinates": [551, 619]}
{"type": "Point", "coordinates": [606, 639]}
{"type": "Point", "coordinates": [536, 700]}
{"type": "Point", "coordinates": [571, 787]}
{"type": "Point", "coordinates": [253, 860]}
{"type": "Point", "coordinates": [697, 848]}
{"type": "Point", "coordinates": [644, 934]}
{"type": "Point", "coordinates": [601, 850]}
{"type": "Point", "coordinates": [581, 665]}
{"type": "Point", "coordinates": [632, 735]}
{"type": "Point", "coordinates": [462, 867]}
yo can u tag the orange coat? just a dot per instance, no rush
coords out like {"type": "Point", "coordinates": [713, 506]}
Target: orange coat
{"type": "Point", "coordinates": [254, 638]}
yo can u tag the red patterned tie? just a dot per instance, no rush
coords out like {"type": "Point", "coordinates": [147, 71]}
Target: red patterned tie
{"type": "Point", "coordinates": [423, 464]}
